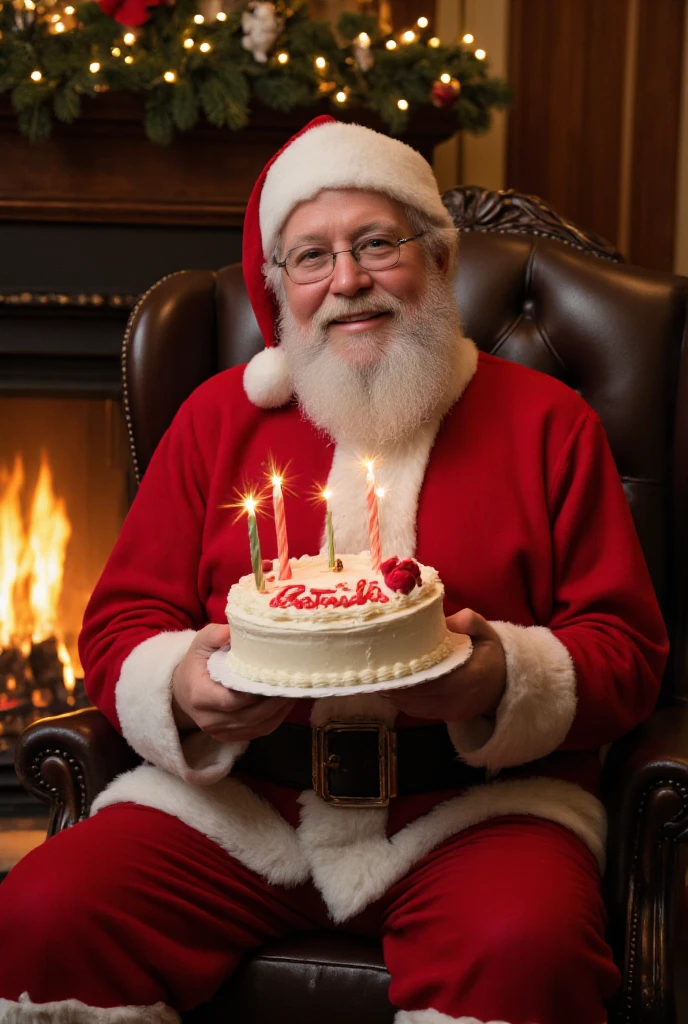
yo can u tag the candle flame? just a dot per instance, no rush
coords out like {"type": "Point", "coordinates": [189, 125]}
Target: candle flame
{"type": "Point", "coordinates": [380, 492]}
{"type": "Point", "coordinates": [246, 503]}
{"type": "Point", "coordinates": [326, 495]}
{"type": "Point", "coordinates": [278, 476]}
{"type": "Point", "coordinates": [276, 481]}
{"type": "Point", "coordinates": [250, 504]}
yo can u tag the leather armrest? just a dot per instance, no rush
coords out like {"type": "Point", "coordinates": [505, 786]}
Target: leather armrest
{"type": "Point", "coordinates": [68, 759]}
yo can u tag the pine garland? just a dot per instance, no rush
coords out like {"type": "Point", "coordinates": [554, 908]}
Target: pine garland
{"type": "Point", "coordinates": [89, 59]}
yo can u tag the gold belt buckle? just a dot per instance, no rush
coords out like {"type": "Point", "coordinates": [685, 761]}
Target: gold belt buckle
{"type": "Point", "coordinates": [323, 762]}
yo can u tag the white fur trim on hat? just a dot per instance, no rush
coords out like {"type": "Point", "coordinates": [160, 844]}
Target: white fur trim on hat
{"type": "Point", "coordinates": [538, 706]}
{"type": "Point", "coordinates": [346, 156]}
{"type": "Point", "coordinates": [267, 380]}
{"type": "Point", "coordinates": [72, 1011]}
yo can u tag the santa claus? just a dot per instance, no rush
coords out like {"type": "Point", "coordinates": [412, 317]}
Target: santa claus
{"type": "Point", "coordinates": [481, 877]}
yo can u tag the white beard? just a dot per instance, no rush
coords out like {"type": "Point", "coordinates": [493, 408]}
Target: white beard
{"type": "Point", "coordinates": [375, 406]}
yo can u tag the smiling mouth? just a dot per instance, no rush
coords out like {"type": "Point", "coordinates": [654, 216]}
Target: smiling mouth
{"type": "Point", "coordinates": [355, 318]}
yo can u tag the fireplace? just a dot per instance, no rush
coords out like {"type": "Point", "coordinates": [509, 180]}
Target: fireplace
{"type": "Point", "coordinates": [63, 496]}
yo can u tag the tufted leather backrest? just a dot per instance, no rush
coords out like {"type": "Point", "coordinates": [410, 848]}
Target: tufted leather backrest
{"type": "Point", "coordinates": [614, 333]}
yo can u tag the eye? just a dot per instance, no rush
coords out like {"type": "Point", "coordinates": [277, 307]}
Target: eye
{"type": "Point", "coordinates": [377, 245]}
{"type": "Point", "coordinates": [309, 255]}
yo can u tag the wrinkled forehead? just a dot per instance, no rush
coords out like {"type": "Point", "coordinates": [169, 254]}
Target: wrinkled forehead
{"type": "Point", "coordinates": [342, 215]}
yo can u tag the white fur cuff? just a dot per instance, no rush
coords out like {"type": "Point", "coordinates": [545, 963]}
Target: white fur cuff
{"type": "Point", "coordinates": [71, 1011]}
{"type": "Point", "coordinates": [144, 705]}
{"type": "Point", "coordinates": [435, 1017]}
{"type": "Point", "coordinates": [267, 380]}
{"type": "Point", "coordinates": [537, 709]}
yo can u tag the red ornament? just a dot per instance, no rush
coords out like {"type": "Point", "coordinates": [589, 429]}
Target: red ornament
{"type": "Point", "coordinates": [403, 576]}
{"type": "Point", "coordinates": [443, 94]}
{"type": "Point", "coordinates": [128, 12]}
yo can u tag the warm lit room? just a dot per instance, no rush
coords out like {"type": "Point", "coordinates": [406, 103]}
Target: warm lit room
{"type": "Point", "coordinates": [310, 311]}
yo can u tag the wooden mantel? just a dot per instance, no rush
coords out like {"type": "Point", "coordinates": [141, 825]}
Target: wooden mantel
{"type": "Point", "coordinates": [103, 169]}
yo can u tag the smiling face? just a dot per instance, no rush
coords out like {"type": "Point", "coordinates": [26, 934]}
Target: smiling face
{"type": "Point", "coordinates": [371, 353]}
{"type": "Point", "coordinates": [354, 306]}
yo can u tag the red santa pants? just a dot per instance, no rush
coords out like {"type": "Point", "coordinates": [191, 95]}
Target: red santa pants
{"type": "Point", "coordinates": [502, 922]}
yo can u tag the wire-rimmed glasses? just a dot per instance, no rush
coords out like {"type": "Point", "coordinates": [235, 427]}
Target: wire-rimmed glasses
{"type": "Point", "coordinates": [308, 264]}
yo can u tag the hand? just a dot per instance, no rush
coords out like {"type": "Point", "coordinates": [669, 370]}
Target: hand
{"type": "Point", "coordinates": [226, 715]}
{"type": "Point", "coordinates": [474, 688]}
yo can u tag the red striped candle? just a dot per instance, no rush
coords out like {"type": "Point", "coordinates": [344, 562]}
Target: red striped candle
{"type": "Point", "coordinates": [373, 519]}
{"type": "Point", "coordinates": [281, 528]}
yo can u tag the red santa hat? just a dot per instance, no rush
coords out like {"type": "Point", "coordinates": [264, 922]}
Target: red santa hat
{"type": "Point", "coordinates": [326, 154]}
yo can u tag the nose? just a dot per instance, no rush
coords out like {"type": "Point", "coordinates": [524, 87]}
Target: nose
{"type": "Point", "coordinates": [348, 276]}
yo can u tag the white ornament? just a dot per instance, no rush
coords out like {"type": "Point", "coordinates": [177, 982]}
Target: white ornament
{"type": "Point", "coordinates": [260, 26]}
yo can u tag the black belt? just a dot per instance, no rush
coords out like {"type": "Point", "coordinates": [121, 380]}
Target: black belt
{"type": "Point", "coordinates": [359, 764]}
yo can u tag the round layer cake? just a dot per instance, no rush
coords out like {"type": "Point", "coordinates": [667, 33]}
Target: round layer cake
{"type": "Point", "coordinates": [329, 628]}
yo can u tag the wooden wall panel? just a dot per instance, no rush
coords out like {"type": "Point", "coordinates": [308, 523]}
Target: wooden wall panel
{"type": "Point", "coordinates": [655, 136]}
{"type": "Point", "coordinates": [568, 65]}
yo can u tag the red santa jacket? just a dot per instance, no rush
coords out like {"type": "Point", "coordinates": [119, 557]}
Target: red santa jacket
{"type": "Point", "coordinates": [515, 499]}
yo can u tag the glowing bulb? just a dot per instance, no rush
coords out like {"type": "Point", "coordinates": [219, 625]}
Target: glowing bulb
{"type": "Point", "coordinates": [205, 47]}
{"type": "Point", "coordinates": [408, 37]}
{"type": "Point", "coordinates": [29, 5]}
{"type": "Point", "coordinates": [36, 76]}
{"type": "Point", "coordinates": [59, 26]}
{"type": "Point", "coordinates": [480, 54]}
{"type": "Point", "coordinates": [402, 104]}
{"type": "Point", "coordinates": [188, 43]}
{"type": "Point", "coordinates": [364, 39]}
{"type": "Point", "coordinates": [340, 96]}
{"type": "Point", "coordinates": [116, 52]}
{"type": "Point", "coordinates": [129, 38]}
{"type": "Point", "coordinates": [94, 68]}
{"type": "Point", "coordinates": [129, 60]}
{"type": "Point", "coordinates": [69, 10]}
{"type": "Point", "coordinates": [391, 44]}
{"type": "Point", "coordinates": [445, 78]}
{"type": "Point", "coordinates": [199, 19]}
{"type": "Point", "coordinates": [170, 76]}
{"type": "Point", "coordinates": [283, 57]}
{"type": "Point", "coordinates": [55, 17]}
{"type": "Point", "coordinates": [468, 39]}
{"type": "Point", "coordinates": [434, 42]}
{"type": "Point", "coordinates": [422, 23]}
{"type": "Point", "coordinates": [221, 16]}
{"type": "Point", "coordinates": [320, 63]}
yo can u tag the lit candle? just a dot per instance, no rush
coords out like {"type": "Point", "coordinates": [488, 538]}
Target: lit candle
{"type": "Point", "coordinates": [281, 528]}
{"type": "Point", "coordinates": [373, 518]}
{"type": "Point", "coordinates": [329, 532]}
{"type": "Point", "coordinates": [256, 561]}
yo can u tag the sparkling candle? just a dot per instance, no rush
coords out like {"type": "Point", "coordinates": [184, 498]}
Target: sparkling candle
{"type": "Point", "coordinates": [254, 542]}
{"type": "Point", "coordinates": [373, 518]}
{"type": "Point", "coordinates": [281, 528]}
{"type": "Point", "coordinates": [329, 532]}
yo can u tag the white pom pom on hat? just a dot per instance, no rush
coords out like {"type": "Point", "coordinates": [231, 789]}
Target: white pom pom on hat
{"type": "Point", "coordinates": [324, 154]}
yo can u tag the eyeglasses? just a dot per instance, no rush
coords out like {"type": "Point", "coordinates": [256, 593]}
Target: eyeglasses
{"type": "Point", "coordinates": [308, 264]}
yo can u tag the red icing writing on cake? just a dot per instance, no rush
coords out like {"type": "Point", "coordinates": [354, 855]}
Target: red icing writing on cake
{"type": "Point", "coordinates": [295, 596]}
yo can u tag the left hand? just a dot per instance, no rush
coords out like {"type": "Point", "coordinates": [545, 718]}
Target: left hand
{"type": "Point", "coordinates": [474, 688]}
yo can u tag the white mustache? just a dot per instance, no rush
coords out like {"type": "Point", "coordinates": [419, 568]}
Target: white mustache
{"type": "Point", "coordinates": [335, 308]}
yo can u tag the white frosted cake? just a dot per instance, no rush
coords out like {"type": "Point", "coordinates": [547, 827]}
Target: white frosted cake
{"type": "Point", "coordinates": [340, 629]}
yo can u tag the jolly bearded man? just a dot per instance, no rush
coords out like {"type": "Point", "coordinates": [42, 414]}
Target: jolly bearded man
{"type": "Point", "coordinates": [482, 877]}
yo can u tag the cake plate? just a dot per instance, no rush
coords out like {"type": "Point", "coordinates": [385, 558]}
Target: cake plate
{"type": "Point", "coordinates": [220, 671]}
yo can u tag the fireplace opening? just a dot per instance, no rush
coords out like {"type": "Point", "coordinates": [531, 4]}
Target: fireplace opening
{"type": "Point", "coordinates": [65, 487]}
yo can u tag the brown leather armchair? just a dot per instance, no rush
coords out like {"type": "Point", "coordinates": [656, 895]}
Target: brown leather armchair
{"type": "Point", "coordinates": [535, 290]}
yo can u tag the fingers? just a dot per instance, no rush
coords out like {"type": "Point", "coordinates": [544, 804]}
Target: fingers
{"type": "Point", "coordinates": [211, 637]}
{"type": "Point", "coordinates": [251, 722]}
{"type": "Point", "coordinates": [474, 625]}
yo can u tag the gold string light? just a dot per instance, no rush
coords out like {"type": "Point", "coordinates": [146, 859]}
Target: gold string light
{"type": "Point", "coordinates": [70, 10]}
{"type": "Point", "coordinates": [59, 26]}
{"type": "Point", "coordinates": [205, 47]}
{"type": "Point", "coordinates": [36, 76]}
{"type": "Point", "coordinates": [422, 23]}
{"type": "Point", "coordinates": [445, 78]}
{"type": "Point", "coordinates": [434, 42]}
{"type": "Point", "coordinates": [283, 57]}
{"type": "Point", "coordinates": [188, 44]}
{"type": "Point", "coordinates": [220, 16]}
{"type": "Point", "coordinates": [468, 38]}
{"type": "Point", "coordinates": [116, 52]}
{"type": "Point", "coordinates": [94, 67]}
{"type": "Point", "coordinates": [170, 76]}
{"type": "Point", "coordinates": [340, 96]}
{"type": "Point", "coordinates": [320, 63]}
{"type": "Point", "coordinates": [391, 44]}
{"type": "Point", "coordinates": [480, 54]}
{"type": "Point", "coordinates": [408, 37]}
{"type": "Point", "coordinates": [129, 60]}
{"type": "Point", "coordinates": [129, 38]}
{"type": "Point", "coordinates": [402, 104]}
{"type": "Point", "coordinates": [199, 19]}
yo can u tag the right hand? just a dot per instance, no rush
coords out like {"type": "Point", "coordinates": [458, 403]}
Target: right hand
{"type": "Point", "coordinates": [226, 715]}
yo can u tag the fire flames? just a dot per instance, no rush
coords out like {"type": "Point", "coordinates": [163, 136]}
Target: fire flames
{"type": "Point", "coordinates": [33, 547]}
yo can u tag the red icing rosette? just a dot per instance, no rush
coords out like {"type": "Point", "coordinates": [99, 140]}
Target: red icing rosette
{"type": "Point", "coordinates": [403, 576]}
